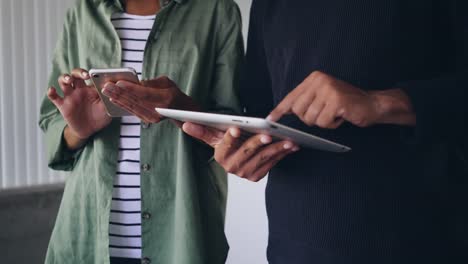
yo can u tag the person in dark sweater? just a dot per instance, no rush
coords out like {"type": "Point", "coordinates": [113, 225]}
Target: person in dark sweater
{"type": "Point", "coordinates": [388, 78]}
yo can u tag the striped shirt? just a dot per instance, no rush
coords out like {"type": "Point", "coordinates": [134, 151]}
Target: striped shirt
{"type": "Point", "coordinates": [125, 215]}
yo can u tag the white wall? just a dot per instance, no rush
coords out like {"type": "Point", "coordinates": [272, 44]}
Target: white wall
{"type": "Point", "coordinates": [246, 220]}
{"type": "Point", "coordinates": [28, 30]}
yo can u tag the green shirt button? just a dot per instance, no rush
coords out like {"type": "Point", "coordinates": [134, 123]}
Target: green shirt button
{"type": "Point", "coordinates": [146, 215]}
{"type": "Point", "coordinates": [145, 125]}
{"type": "Point", "coordinates": [145, 167]}
{"type": "Point", "coordinates": [145, 261]}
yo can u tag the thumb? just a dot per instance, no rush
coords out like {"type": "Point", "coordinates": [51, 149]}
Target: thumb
{"type": "Point", "coordinates": [208, 135]}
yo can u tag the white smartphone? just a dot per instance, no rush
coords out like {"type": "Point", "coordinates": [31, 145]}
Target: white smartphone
{"type": "Point", "coordinates": [100, 77]}
{"type": "Point", "coordinates": [254, 126]}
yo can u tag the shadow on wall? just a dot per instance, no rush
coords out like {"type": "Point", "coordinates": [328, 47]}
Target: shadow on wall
{"type": "Point", "coordinates": [27, 217]}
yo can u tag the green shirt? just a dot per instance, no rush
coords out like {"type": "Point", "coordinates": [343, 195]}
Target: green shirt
{"type": "Point", "coordinates": [198, 44]}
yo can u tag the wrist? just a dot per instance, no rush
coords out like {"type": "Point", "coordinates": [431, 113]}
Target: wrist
{"type": "Point", "coordinates": [393, 107]}
{"type": "Point", "coordinates": [72, 139]}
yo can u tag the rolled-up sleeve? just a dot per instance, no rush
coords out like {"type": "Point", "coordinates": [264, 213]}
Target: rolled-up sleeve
{"type": "Point", "coordinates": [51, 121]}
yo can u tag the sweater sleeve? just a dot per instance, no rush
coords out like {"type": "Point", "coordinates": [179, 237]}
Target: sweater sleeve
{"type": "Point", "coordinates": [255, 90]}
{"type": "Point", "coordinates": [440, 103]}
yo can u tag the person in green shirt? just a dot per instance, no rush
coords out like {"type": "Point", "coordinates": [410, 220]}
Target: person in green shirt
{"type": "Point", "coordinates": [192, 58]}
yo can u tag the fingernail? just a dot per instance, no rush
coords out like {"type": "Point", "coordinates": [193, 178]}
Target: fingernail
{"type": "Point", "coordinates": [67, 78]}
{"type": "Point", "coordinates": [265, 139]}
{"type": "Point", "coordinates": [287, 145]}
{"type": "Point", "coordinates": [269, 118]}
{"type": "Point", "coordinates": [120, 84]}
{"type": "Point", "coordinates": [84, 74]}
{"type": "Point", "coordinates": [105, 91]}
{"type": "Point", "coordinates": [109, 87]}
{"type": "Point", "coordinates": [234, 132]}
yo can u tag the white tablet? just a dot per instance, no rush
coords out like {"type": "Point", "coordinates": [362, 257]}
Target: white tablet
{"type": "Point", "coordinates": [254, 126]}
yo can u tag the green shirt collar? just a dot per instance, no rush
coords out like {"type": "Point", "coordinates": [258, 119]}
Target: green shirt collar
{"type": "Point", "coordinates": [120, 4]}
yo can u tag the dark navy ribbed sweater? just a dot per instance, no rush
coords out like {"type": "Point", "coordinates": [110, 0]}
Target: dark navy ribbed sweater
{"type": "Point", "coordinates": [401, 195]}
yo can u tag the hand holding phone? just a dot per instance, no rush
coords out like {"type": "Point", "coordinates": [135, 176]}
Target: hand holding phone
{"type": "Point", "coordinates": [102, 76]}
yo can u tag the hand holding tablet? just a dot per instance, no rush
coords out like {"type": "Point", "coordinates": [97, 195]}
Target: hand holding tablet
{"type": "Point", "coordinates": [253, 157]}
{"type": "Point", "coordinates": [254, 126]}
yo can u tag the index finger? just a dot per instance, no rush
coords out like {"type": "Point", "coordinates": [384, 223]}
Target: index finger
{"type": "Point", "coordinates": [79, 75]}
{"type": "Point", "coordinates": [208, 135]}
{"type": "Point", "coordinates": [284, 107]}
{"type": "Point", "coordinates": [136, 89]}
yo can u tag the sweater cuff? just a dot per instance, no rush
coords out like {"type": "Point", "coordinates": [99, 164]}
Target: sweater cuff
{"type": "Point", "coordinates": [429, 110]}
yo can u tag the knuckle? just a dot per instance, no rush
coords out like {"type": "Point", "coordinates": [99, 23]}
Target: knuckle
{"type": "Point", "coordinates": [147, 95]}
{"type": "Point", "coordinates": [330, 126]}
{"type": "Point", "coordinates": [316, 74]}
{"type": "Point", "coordinates": [338, 99]}
{"type": "Point", "coordinates": [230, 169]}
{"type": "Point", "coordinates": [254, 179]}
{"type": "Point", "coordinates": [264, 157]}
{"type": "Point", "coordinates": [329, 85]}
{"type": "Point", "coordinates": [360, 121]}
{"type": "Point", "coordinates": [170, 97]}
{"type": "Point", "coordinates": [334, 125]}
{"type": "Point", "coordinates": [322, 123]}
{"type": "Point", "coordinates": [296, 109]}
{"type": "Point", "coordinates": [309, 121]}
{"type": "Point", "coordinates": [241, 174]}
{"type": "Point", "coordinates": [219, 158]}
{"type": "Point", "coordinates": [333, 95]}
{"type": "Point", "coordinates": [247, 150]}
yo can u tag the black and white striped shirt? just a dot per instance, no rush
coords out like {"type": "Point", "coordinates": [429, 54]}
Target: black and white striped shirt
{"type": "Point", "coordinates": [125, 216]}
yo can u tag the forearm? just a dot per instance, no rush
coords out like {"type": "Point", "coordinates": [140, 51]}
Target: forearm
{"type": "Point", "coordinates": [394, 107]}
{"type": "Point", "coordinates": [72, 141]}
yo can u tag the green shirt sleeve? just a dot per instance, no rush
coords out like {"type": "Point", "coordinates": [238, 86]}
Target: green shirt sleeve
{"type": "Point", "coordinates": [224, 95]}
{"type": "Point", "coordinates": [50, 120]}
{"type": "Point", "coordinates": [229, 59]}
